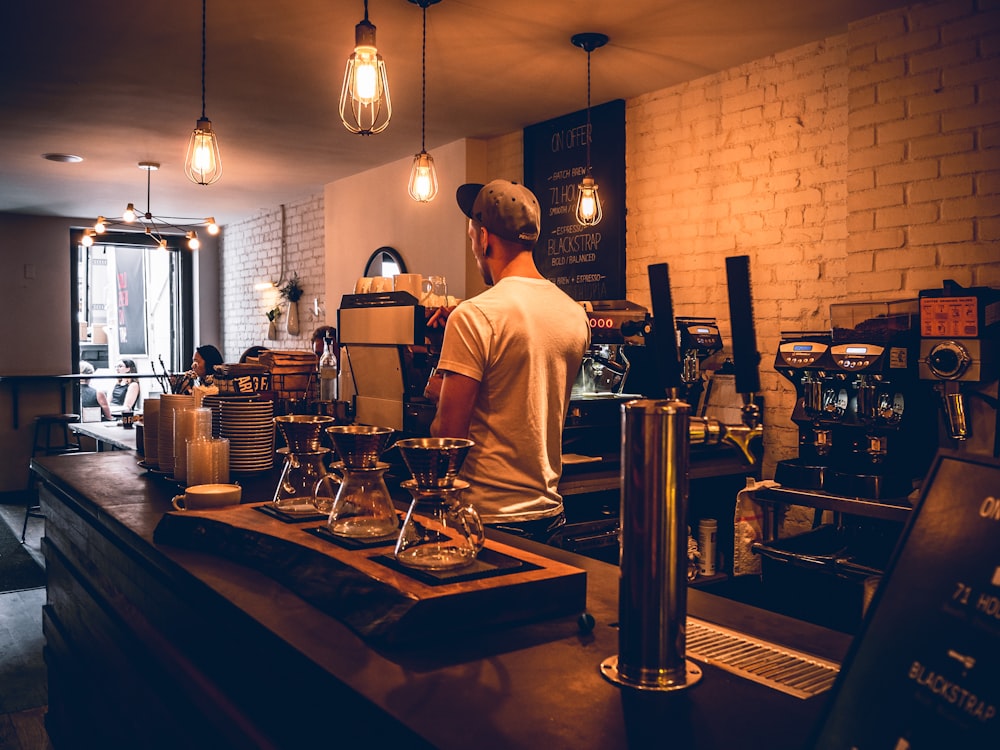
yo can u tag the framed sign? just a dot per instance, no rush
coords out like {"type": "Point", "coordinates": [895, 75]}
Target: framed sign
{"type": "Point", "coordinates": [923, 671]}
{"type": "Point", "coordinates": [588, 263]}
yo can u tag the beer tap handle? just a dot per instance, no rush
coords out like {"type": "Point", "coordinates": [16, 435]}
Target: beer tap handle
{"type": "Point", "coordinates": [746, 358]}
{"type": "Point", "coordinates": [664, 332]}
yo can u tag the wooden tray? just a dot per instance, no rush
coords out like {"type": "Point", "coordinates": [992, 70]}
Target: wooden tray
{"type": "Point", "coordinates": [363, 588]}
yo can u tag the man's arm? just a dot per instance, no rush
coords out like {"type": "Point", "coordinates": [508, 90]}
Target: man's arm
{"type": "Point", "coordinates": [454, 412]}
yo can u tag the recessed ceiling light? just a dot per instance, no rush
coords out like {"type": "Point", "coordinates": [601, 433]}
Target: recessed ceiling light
{"type": "Point", "coordinates": [65, 158]}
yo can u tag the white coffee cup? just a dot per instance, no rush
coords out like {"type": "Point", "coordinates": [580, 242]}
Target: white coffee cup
{"type": "Point", "coordinates": [409, 282]}
{"type": "Point", "coordinates": [382, 284]}
{"type": "Point", "coordinates": [208, 496]}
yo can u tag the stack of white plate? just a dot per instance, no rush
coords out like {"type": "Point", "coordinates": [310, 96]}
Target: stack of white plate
{"type": "Point", "coordinates": [213, 402]}
{"type": "Point", "coordinates": [249, 425]}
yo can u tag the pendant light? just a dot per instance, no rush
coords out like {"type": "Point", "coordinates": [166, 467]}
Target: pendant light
{"type": "Point", "coordinates": [366, 87]}
{"type": "Point", "coordinates": [156, 228]}
{"type": "Point", "coordinates": [588, 204]}
{"type": "Point", "coordinates": [203, 164]}
{"type": "Point", "coordinates": [423, 178]}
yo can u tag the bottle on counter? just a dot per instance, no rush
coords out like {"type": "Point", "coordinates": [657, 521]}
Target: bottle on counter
{"type": "Point", "coordinates": [328, 372]}
{"type": "Point", "coordinates": [707, 529]}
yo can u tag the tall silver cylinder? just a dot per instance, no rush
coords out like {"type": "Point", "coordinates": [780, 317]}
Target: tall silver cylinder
{"type": "Point", "coordinates": [652, 595]}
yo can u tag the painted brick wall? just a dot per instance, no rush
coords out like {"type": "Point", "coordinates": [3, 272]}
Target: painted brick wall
{"type": "Point", "coordinates": [924, 163]}
{"type": "Point", "coordinates": [751, 161]}
{"type": "Point", "coordinates": [252, 257]}
{"type": "Point", "coordinates": [865, 166]}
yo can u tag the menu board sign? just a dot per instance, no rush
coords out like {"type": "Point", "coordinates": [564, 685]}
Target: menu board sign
{"type": "Point", "coordinates": [923, 672]}
{"type": "Point", "coordinates": [588, 263]}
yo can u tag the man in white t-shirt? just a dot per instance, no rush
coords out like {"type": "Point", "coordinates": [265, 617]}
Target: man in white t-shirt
{"type": "Point", "coordinates": [508, 361]}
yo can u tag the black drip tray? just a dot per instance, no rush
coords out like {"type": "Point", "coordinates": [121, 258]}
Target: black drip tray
{"type": "Point", "coordinates": [269, 510]}
{"type": "Point", "coordinates": [322, 532]}
{"type": "Point", "coordinates": [488, 564]}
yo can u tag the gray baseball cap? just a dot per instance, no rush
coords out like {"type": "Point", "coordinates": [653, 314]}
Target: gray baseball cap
{"type": "Point", "coordinates": [505, 208]}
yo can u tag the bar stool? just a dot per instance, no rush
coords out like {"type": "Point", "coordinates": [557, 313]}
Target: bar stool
{"type": "Point", "coordinates": [52, 437]}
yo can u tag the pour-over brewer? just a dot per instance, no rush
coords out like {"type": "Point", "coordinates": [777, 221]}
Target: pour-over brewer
{"type": "Point", "coordinates": [865, 420]}
{"type": "Point", "coordinates": [384, 337]}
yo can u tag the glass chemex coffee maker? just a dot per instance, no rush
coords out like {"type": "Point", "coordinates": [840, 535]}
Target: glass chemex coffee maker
{"type": "Point", "coordinates": [439, 532]}
{"type": "Point", "coordinates": [304, 464]}
{"type": "Point", "coordinates": [362, 509]}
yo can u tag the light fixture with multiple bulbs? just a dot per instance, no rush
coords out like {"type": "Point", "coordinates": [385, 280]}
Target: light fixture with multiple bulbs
{"type": "Point", "coordinates": [423, 186]}
{"type": "Point", "coordinates": [588, 204]}
{"type": "Point", "coordinates": [157, 228]}
{"type": "Point", "coordinates": [203, 164]}
{"type": "Point", "coordinates": [365, 107]}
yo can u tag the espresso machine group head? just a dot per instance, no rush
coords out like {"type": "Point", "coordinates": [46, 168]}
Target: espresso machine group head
{"type": "Point", "coordinates": [959, 339]}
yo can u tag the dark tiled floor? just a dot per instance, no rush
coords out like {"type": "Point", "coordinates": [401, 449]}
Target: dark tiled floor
{"type": "Point", "coordinates": [22, 670]}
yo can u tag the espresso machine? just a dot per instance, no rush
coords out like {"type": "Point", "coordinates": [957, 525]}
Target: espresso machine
{"type": "Point", "coordinates": [614, 370]}
{"type": "Point", "coordinates": [866, 421]}
{"type": "Point", "coordinates": [384, 338]}
{"type": "Point", "coordinates": [959, 341]}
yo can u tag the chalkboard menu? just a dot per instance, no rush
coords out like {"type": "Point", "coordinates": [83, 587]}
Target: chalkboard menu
{"type": "Point", "coordinates": [924, 672]}
{"type": "Point", "coordinates": [588, 263]}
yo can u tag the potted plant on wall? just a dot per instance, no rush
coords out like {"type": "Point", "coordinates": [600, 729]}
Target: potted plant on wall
{"type": "Point", "coordinates": [292, 291]}
{"type": "Point", "coordinates": [272, 326]}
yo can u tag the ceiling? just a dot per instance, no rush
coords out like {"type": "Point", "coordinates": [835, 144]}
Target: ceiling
{"type": "Point", "coordinates": [119, 82]}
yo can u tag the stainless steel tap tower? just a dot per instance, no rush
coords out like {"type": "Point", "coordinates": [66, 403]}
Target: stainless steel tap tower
{"type": "Point", "coordinates": [656, 439]}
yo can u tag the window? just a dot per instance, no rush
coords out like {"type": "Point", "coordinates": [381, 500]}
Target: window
{"type": "Point", "coordinates": [134, 301]}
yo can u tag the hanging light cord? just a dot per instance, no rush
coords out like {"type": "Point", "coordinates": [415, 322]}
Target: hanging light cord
{"type": "Point", "coordinates": [423, 79]}
{"type": "Point", "coordinates": [203, 36]}
{"type": "Point", "coordinates": [366, 11]}
{"type": "Point", "coordinates": [588, 112]}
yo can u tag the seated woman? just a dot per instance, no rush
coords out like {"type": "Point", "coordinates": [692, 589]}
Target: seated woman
{"type": "Point", "coordinates": [202, 370]}
{"type": "Point", "coordinates": [125, 395]}
{"type": "Point", "coordinates": [90, 397]}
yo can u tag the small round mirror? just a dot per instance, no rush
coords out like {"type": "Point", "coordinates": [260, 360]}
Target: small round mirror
{"type": "Point", "coordinates": [385, 261]}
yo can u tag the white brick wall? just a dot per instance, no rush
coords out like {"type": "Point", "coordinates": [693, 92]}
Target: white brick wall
{"type": "Point", "coordinates": [865, 166]}
{"type": "Point", "coordinates": [252, 257]}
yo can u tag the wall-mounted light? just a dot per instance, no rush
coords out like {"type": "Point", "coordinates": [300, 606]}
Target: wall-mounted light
{"type": "Point", "coordinates": [203, 164]}
{"type": "Point", "coordinates": [588, 204]}
{"type": "Point", "coordinates": [157, 228]}
{"type": "Point", "coordinates": [365, 107]}
{"type": "Point", "coordinates": [423, 184]}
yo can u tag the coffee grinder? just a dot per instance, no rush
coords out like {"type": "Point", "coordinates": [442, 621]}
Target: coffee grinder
{"type": "Point", "coordinates": [804, 359]}
{"type": "Point", "coordinates": [864, 416]}
{"type": "Point", "coordinates": [959, 330]}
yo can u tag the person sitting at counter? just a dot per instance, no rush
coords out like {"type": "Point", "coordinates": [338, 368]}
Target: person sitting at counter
{"type": "Point", "coordinates": [90, 397]}
{"type": "Point", "coordinates": [125, 394]}
{"type": "Point", "coordinates": [508, 361]}
{"type": "Point", "coordinates": [319, 337]}
{"type": "Point", "coordinates": [202, 372]}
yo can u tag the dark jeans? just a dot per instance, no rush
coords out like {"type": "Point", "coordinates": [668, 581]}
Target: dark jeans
{"type": "Point", "coordinates": [538, 531]}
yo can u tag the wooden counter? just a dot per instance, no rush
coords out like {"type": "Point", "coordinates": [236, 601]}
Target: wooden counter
{"type": "Point", "coordinates": [155, 646]}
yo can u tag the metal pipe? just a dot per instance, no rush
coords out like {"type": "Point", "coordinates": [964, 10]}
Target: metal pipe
{"type": "Point", "coordinates": [652, 597]}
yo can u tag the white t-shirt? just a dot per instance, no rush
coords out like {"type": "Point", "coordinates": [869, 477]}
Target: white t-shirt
{"type": "Point", "coordinates": [523, 340]}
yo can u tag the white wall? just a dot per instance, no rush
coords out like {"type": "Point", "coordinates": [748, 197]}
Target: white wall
{"type": "Point", "coordinates": [373, 209]}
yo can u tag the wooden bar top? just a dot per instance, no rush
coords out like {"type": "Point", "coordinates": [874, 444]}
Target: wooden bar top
{"type": "Point", "coordinates": [531, 685]}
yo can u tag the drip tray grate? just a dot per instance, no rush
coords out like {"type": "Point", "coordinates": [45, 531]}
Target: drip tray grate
{"type": "Point", "coordinates": [792, 672]}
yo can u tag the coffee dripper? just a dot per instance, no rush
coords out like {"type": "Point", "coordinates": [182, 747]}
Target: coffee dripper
{"type": "Point", "coordinates": [304, 464]}
{"type": "Point", "coordinates": [362, 508]}
{"type": "Point", "coordinates": [439, 532]}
